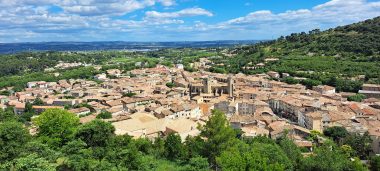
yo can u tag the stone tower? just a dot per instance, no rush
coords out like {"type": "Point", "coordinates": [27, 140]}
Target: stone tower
{"type": "Point", "coordinates": [207, 85]}
{"type": "Point", "coordinates": [230, 84]}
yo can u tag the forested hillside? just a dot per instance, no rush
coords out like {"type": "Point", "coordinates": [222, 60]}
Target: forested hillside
{"type": "Point", "coordinates": [357, 42]}
{"type": "Point", "coordinates": [324, 57]}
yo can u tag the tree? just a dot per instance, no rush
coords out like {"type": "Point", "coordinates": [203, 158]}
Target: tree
{"type": "Point", "coordinates": [174, 148]}
{"type": "Point", "coordinates": [5, 93]}
{"type": "Point", "coordinates": [38, 102]}
{"type": "Point", "coordinates": [219, 135]}
{"type": "Point", "coordinates": [30, 162]}
{"type": "Point", "coordinates": [356, 98]}
{"type": "Point", "coordinates": [337, 133]}
{"type": "Point", "coordinates": [95, 133]}
{"type": "Point", "coordinates": [42, 150]}
{"type": "Point", "coordinates": [326, 157]}
{"type": "Point", "coordinates": [7, 115]}
{"type": "Point", "coordinates": [313, 136]}
{"type": "Point", "coordinates": [56, 126]}
{"type": "Point", "coordinates": [26, 117]}
{"type": "Point", "coordinates": [291, 150]}
{"type": "Point", "coordinates": [274, 155]}
{"type": "Point", "coordinates": [361, 144]}
{"type": "Point", "coordinates": [104, 115]}
{"type": "Point", "coordinates": [309, 83]}
{"type": "Point", "coordinates": [195, 146]}
{"type": "Point", "coordinates": [144, 145]}
{"type": "Point", "coordinates": [74, 147]}
{"type": "Point", "coordinates": [290, 80]}
{"type": "Point", "coordinates": [357, 165]}
{"type": "Point", "coordinates": [28, 113]}
{"type": "Point", "coordinates": [197, 164]}
{"type": "Point", "coordinates": [29, 108]}
{"type": "Point", "coordinates": [13, 136]}
{"type": "Point", "coordinates": [256, 156]}
{"type": "Point", "coordinates": [129, 94]}
{"type": "Point", "coordinates": [170, 84]}
{"type": "Point", "coordinates": [233, 159]}
{"type": "Point", "coordinates": [159, 147]}
{"type": "Point", "coordinates": [375, 163]}
{"type": "Point", "coordinates": [347, 150]}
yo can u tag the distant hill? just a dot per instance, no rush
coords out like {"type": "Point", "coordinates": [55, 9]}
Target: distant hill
{"type": "Point", "coordinates": [7, 48]}
{"type": "Point", "coordinates": [349, 54]}
{"type": "Point", "coordinates": [358, 42]}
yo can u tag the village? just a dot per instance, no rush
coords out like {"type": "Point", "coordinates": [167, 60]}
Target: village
{"type": "Point", "coordinates": [153, 102]}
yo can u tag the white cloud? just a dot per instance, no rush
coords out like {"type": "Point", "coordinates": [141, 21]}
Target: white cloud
{"type": "Point", "coordinates": [91, 7]}
{"type": "Point", "coordinates": [339, 4]}
{"type": "Point", "coordinates": [182, 13]}
{"type": "Point", "coordinates": [102, 7]}
{"type": "Point", "coordinates": [167, 2]}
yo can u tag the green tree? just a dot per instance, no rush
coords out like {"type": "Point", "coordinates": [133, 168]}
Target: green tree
{"type": "Point", "coordinates": [218, 133]}
{"type": "Point", "coordinates": [337, 133]}
{"type": "Point", "coordinates": [174, 148]}
{"type": "Point", "coordinates": [197, 164]}
{"type": "Point", "coordinates": [361, 144]}
{"type": "Point", "coordinates": [159, 147]}
{"type": "Point", "coordinates": [95, 133]}
{"type": "Point", "coordinates": [26, 117]}
{"type": "Point", "coordinates": [290, 80]}
{"type": "Point", "coordinates": [233, 159]}
{"type": "Point", "coordinates": [42, 150]}
{"type": "Point", "coordinates": [7, 115]}
{"type": "Point", "coordinates": [29, 107]}
{"type": "Point", "coordinates": [28, 113]}
{"type": "Point", "coordinates": [13, 136]}
{"type": "Point", "coordinates": [291, 150]}
{"type": "Point", "coordinates": [129, 94]}
{"type": "Point", "coordinates": [38, 102]}
{"type": "Point", "coordinates": [357, 165]}
{"type": "Point", "coordinates": [5, 93]}
{"type": "Point", "coordinates": [56, 126]}
{"type": "Point", "coordinates": [347, 150]}
{"type": "Point", "coordinates": [375, 163]}
{"type": "Point", "coordinates": [170, 84]}
{"type": "Point", "coordinates": [144, 145]}
{"type": "Point", "coordinates": [74, 147]}
{"type": "Point", "coordinates": [356, 98]}
{"type": "Point", "coordinates": [30, 162]}
{"type": "Point", "coordinates": [195, 146]}
{"type": "Point", "coordinates": [79, 157]}
{"type": "Point", "coordinates": [256, 156]}
{"type": "Point", "coordinates": [273, 153]}
{"type": "Point", "coordinates": [314, 135]}
{"type": "Point", "coordinates": [104, 115]}
{"type": "Point", "coordinates": [327, 157]}
{"type": "Point", "coordinates": [309, 83]}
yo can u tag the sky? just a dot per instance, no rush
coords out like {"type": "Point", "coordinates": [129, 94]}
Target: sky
{"type": "Point", "coordinates": [173, 20]}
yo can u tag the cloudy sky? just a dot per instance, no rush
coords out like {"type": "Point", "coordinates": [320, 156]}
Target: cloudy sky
{"type": "Point", "coordinates": [173, 20]}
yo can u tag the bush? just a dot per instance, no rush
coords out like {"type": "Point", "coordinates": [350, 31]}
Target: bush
{"type": "Point", "coordinates": [170, 85]}
{"type": "Point", "coordinates": [104, 115]}
{"type": "Point", "coordinates": [356, 98]}
{"type": "Point", "coordinates": [129, 94]}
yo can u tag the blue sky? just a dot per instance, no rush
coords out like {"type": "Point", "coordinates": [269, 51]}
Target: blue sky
{"type": "Point", "coordinates": [173, 20]}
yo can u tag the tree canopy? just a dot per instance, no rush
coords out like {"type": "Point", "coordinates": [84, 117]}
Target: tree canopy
{"type": "Point", "coordinates": [56, 126]}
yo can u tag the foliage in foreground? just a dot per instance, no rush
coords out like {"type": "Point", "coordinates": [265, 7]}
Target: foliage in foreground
{"type": "Point", "coordinates": [63, 144]}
